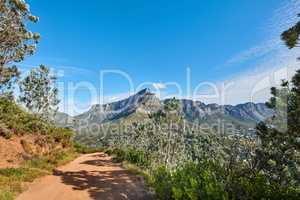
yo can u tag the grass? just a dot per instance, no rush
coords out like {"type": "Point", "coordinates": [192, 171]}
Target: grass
{"type": "Point", "coordinates": [85, 149]}
{"type": "Point", "coordinates": [12, 179]}
{"type": "Point", "coordinates": [134, 169]}
{"type": "Point", "coordinates": [15, 121]}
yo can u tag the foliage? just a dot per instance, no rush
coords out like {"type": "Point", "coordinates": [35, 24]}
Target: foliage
{"type": "Point", "coordinates": [38, 92]}
{"type": "Point", "coordinates": [291, 36]}
{"type": "Point", "coordinates": [21, 174]}
{"type": "Point", "coordinates": [200, 181]}
{"type": "Point", "coordinates": [50, 161]}
{"type": "Point", "coordinates": [279, 153]}
{"type": "Point", "coordinates": [86, 149]}
{"type": "Point", "coordinates": [206, 166]}
{"type": "Point", "coordinates": [266, 168]}
{"type": "Point", "coordinates": [15, 40]}
{"type": "Point", "coordinates": [138, 157]}
{"type": "Point", "coordinates": [15, 121]}
{"type": "Point", "coordinates": [162, 183]}
{"type": "Point", "coordinates": [8, 77]}
{"type": "Point", "coordinates": [12, 179]}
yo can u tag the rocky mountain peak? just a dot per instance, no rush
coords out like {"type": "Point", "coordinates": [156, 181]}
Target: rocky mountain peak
{"type": "Point", "coordinates": [144, 102]}
{"type": "Point", "coordinates": [145, 91]}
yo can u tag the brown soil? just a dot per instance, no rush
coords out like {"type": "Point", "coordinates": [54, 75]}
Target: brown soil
{"type": "Point", "coordinates": [11, 152]}
{"type": "Point", "coordinates": [91, 176]}
{"type": "Point", "coordinates": [14, 151]}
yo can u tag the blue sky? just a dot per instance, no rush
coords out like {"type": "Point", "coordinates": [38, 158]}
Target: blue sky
{"type": "Point", "coordinates": [156, 41]}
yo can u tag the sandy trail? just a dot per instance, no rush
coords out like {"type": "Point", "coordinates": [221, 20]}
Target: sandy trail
{"type": "Point", "coordinates": [91, 176]}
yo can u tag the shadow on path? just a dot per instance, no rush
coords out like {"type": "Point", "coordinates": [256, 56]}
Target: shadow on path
{"type": "Point", "coordinates": [110, 182]}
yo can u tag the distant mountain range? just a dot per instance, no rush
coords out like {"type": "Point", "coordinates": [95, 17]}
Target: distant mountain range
{"type": "Point", "coordinates": [138, 106]}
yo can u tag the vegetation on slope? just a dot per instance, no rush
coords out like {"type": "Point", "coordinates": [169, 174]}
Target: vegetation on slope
{"type": "Point", "coordinates": [12, 179]}
{"type": "Point", "coordinates": [39, 96]}
{"type": "Point", "coordinates": [15, 121]}
{"type": "Point", "coordinates": [185, 165]}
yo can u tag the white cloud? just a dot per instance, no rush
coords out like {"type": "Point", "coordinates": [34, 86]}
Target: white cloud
{"type": "Point", "coordinates": [283, 17]}
{"type": "Point", "coordinates": [159, 85]}
{"type": "Point", "coordinates": [254, 52]}
{"type": "Point", "coordinates": [273, 61]}
{"type": "Point", "coordinates": [254, 85]}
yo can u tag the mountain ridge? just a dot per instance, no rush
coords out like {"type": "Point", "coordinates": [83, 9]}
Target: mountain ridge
{"type": "Point", "coordinates": [144, 102]}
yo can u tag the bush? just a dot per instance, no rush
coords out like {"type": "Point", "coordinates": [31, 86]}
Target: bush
{"type": "Point", "coordinates": [6, 195]}
{"type": "Point", "coordinates": [258, 187]}
{"type": "Point", "coordinates": [21, 174]}
{"type": "Point", "coordinates": [85, 149]}
{"type": "Point", "coordinates": [207, 180]}
{"type": "Point", "coordinates": [192, 181]}
{"type": "Point", "coordinates": [138, 157]}
{"type": "Point", "coordinates": [49, 162]}
{"type": "Point", "coordinates": [11, 180]}
{"type": "Point", "coordinates": [15, 121]}
{"type": "Point", "coordinates": [162, 183]}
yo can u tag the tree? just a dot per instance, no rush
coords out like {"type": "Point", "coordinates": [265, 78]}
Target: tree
{"type": "Point", "coordinates": [169, 121]}
{"type": "Point", "coordinates": [38, 92]}
{"type": "Point", "coordinates": [279, 152]}
{"type": "Point", "coordinates": [16, 41]}
{"type": "Point", "coordinates": [8, 77]}
{"type": "Point", "coordinates": [291, 36]}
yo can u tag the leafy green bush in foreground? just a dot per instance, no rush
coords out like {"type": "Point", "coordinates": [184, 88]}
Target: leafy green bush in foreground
{"type": "Point", "coordinates": [206, 180]}
{"type": "Point", "coordinates": [209, 181]}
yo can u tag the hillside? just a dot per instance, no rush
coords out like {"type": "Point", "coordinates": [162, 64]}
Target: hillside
{"type": "Point", "coordinates": [137, 107]}
{"type": "Point", "coordinates": [29, 147]}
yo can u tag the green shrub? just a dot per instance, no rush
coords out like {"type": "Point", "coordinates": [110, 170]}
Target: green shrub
{"type": "Point", "coordinates": [207, 180]}
{"type": "Point", "coordinates": [258, 187]}
{"type": "Point", "coordinates": [11, 179]}
{"type": "Point", "coordinates": [6, 195]}
{"type": "Point", "coordinates": [62, 157]}
{"type": "Point", "coordinates": [162, 183]}
{"type": "Point", "coordinates": [40, 163]}
{"type": "Point", "coordinates": [137, 157]}
{"type": "Point", "coordinates": [21, 174]}
{"type": "Point", "coordinates": [198, 181]}
{"type": "Point", "coordinates": [49, 162]}
{"type": "Point", "coordinates": [14, 120]}
{"type": "Point", "coordinates": [192, 181]}
{"type": "Point", "coordinates": [120, 155]}
{"type": "Point", "coordinates": [85, 149]}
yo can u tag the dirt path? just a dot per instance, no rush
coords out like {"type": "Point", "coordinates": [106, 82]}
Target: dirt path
{"type": "Point", "coordinates": [91, 176]}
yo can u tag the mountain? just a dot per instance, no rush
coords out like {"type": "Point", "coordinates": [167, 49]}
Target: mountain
{"type": "Point", "coordinates": [247, 112]}
{"type": "Point", "coordinates": [63, 120]}
{"type": "Point", "coordinates": [138, 106]}
{"type": "Point", "coordinates": [144, 100]}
